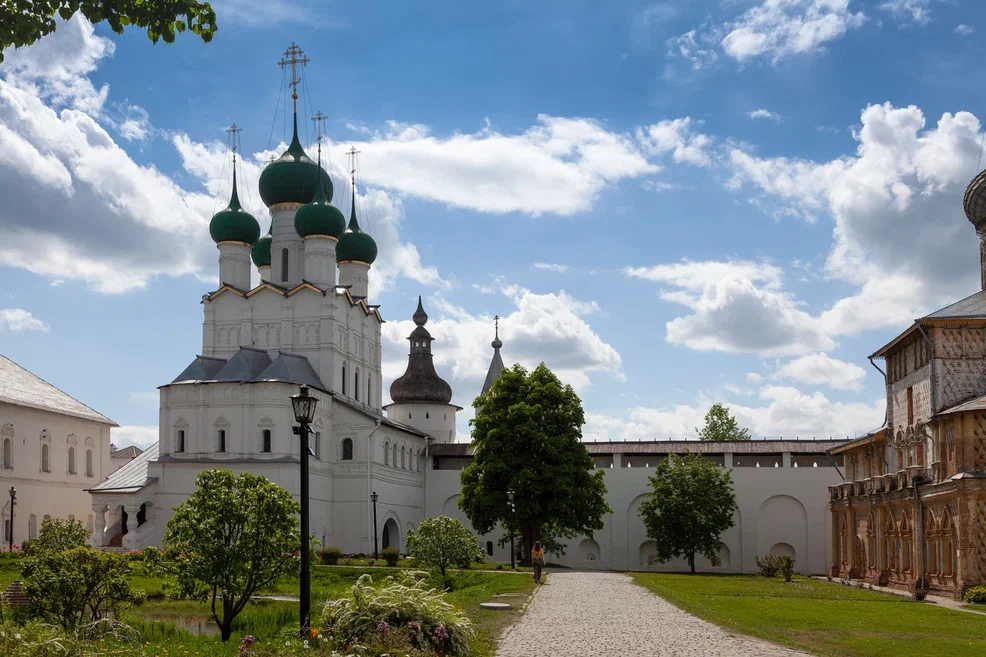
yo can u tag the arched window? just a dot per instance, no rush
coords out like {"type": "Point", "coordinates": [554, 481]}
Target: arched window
{"type": "Point", "coordinates": [71, 460]}
{"type": "Point", "coordinates": [356, 384]}
{"type": "Point", "coordinates": [394, 461]}
{"type": "Point", "coordinates": [318, 445]}
{"type": "Point", "coordinates": [344, 378]}
{"type": "Point", "coordinates": [386, 453]}
{"type": "Point", "coordinates": [45, 463]}
{"type": "Point", "coordinates": [181, 441]}
{"type": "Point", "coordinates": [32, 527]}
{"type": "Point", "coordinates": [284, 265]}
{"type": "Point", "coordinates": [221, 446]}
{"type": "Point", "coordinates": [403, 459]}
{"type": "Point", "coordinates": [347, 449]}
{"type": "Point", "coordinates": [410, 460]}
{"type": "Point", "coordinates": [369, 389]}
{"type": "Point", "coordinates": [8, 453]}
{"type": "Point", "coordinates": [265, 443]}
{"type": "Point", "coordinates": [89, 468]}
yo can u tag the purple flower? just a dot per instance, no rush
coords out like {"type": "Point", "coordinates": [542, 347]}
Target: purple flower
{"type": "Point", "coordinates": [439, 635]}
{"type": "Point", "coordinates": [414, 626]}
{"type": "Point", "coordinates": [383, 627]}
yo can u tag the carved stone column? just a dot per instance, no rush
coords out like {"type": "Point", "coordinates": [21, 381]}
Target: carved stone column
{"type": "Point", "coordinates": [96, 540]}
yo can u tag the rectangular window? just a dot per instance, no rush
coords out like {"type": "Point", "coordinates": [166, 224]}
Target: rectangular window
{"type": "Point", "coordinates": [266, 443]}
{"type": "Point", "coordinates": [284, 265]}
{"type": "Point", "coordinates": [910, 404]}
{"type": "Point", "coordinates": [222, 440]}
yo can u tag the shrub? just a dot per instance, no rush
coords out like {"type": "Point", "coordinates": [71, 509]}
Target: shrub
{"type": "Point", "coordinates": [391, 556]}
{"type": "Point", "coordinates": [58, 534]}
{"type": "Point", "coordinates": [499, 566]}
{"type": "Point", "coordinates": [402, 602]}
{"type": "Point", "coordinates": [785, 564]}
{"type": "Point", "coordinates": [976, 595]}
{"type": "Point", "coordinates": [330, 556]}
{"type": "Point", "coordinates": [768, 565]}
{"type": "Point", "coordinates": [442, 542]}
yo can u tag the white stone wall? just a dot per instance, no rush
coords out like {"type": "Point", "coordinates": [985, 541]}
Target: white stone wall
{"type": "Point", "coordinates": [57, 493]}
{"type": "Point", "coordinates": [436, 420]}
{"type": "Point", "coordinates": [778, 507]}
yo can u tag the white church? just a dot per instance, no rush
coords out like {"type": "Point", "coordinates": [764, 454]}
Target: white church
{"type": "Point", "coordinates": [309, 321]}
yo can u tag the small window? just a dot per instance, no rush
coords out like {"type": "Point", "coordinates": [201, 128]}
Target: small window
{"type": "Point", "coordinates": [222, 440]}
{"type": "Point", "coordinates": [318, 446]}
{"type": "Point", "coordinates": [347, 449]}
{"type": "Point", "coordinates": [45, 462]}
{"type": "Point", "coordinates": [356, 384]}
{"type": "Point", "coordinates": [910, 405]}
{"type": "Point", "coordinates": [427, 415]}
{"type": "Point", "coordinates": [284, 265]}
{"type": "Point", "coordinates": [403, 459]}
{"type": "Point", "coordinates": [344, 379]}
{"type": "Point", "coordinates": [489, 548]}
{"type": "Point", "coordinates": [71, 460]}
{"type": "Point", "coordinates": [368, 391]}
{"type": "Point", "coordinates": [8, 453]}
{"type": "Point", "coordinates": [181, 441]}
{"type": "Point", "coordinates": [395, 456]}
{"type": "Point", "coordinates": [89, 468]}
{"type": "Point", "coordinates": [265, 447]}
{"type": "Point", "coordinates": [386, 453]}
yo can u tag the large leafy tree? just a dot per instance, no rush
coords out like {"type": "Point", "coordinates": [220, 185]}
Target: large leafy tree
{"type": "Point", "coordinates": [78, 585]}
{"type": "Point", "coordinates": [691, 504]}
{"type": "Point", "coordinates": [22, 22]}
{"type": "Point", "coordinates": [527, 438]}
{"type": "Point", "coordinates": [443, 542]}
{"type": "Point", "coordinates": [721, 425]}
{"type": "Point", "coordinates": [233, 536]}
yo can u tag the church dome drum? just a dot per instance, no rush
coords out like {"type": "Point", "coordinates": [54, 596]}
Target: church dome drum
{"type": "Point", "coordinates": [261, 251]}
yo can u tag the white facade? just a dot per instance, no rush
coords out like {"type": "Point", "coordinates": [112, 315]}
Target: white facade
{"type": "Point", "coordinates": [52, 448]}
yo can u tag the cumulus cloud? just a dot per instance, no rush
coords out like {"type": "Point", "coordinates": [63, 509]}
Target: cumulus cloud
{"type": "Point", "coordinates": [678, 138]}
{"type": "Point", "coordinates": [551, 266]}
{"type": "Point", "coordinates": [964, 30]}
{"type": "Point", "coordinates": [822, 369]}
{"type": "Point", "coordinates": [783, 412]}
{"type": "Point", "coordinates": [902, 187]}
{"type": "Point", "coordinates": [18, 319]}
{"type": "Point", "coordinates": [141, 436]}
{"type": "Point", "coordinates": [764, 114]}
{"type": "Point", "coordinates": [694, 48]}
{"type": "Point", "coordinates": [913, 11]}
{"type": "Point", "coordinates": [551, 327]}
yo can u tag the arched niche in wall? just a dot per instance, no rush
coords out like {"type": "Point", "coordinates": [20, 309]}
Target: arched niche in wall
{"type": "Point", "coordinates": [782, 519]}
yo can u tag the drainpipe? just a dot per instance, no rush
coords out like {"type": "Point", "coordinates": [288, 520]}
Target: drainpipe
{"type": "Point", "coordinates": [919, 535]}
{"type": "Point", "coordinates": [886, 417]}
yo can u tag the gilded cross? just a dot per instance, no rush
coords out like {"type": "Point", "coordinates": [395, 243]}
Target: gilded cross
{"type": "Point", "coordinates": [232, 131]}
{"type": "Point", "coordinates": [294, 56]}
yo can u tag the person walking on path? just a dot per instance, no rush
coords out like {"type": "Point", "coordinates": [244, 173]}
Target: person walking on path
{"type": "Point", "coordinates": [537, 560]}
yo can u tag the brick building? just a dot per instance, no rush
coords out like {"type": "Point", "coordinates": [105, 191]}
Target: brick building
{"type": "Point", "coordinates": [912, 511]}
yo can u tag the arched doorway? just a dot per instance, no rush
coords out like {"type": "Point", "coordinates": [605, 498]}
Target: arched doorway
{"type": "Point", "coordinates": [391, 535]}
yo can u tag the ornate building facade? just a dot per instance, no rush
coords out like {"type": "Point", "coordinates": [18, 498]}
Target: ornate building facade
{"type": "Point", "coordinates": [912, 511]}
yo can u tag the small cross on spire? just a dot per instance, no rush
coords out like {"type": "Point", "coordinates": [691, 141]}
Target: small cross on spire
{"type": "Point", "coordinates": [294, 56]}
{"type": "Point", "coordinates": [319, 119]}
{"type": "Point", "coordinates": [352, 152]}
{"type": "Point", "coordinates": [233, 130]}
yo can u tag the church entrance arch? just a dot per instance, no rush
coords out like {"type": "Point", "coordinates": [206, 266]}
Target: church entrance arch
{"type": "Point", "coordinates": [391, 534]}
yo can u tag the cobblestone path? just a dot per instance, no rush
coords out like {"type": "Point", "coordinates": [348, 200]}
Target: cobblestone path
{"type": "Point", "coordinates": [585, 614]}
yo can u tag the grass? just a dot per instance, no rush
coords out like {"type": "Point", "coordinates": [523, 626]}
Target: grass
{"type": "Point", "coordinates": [821, 617]}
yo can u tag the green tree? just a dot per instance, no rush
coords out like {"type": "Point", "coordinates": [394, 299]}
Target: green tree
{"type": "Point", "coordinates": [22, 22]}
{"type": "Point", "coordinates": [69, 587]}
{"type": "Point", "coordinates": [231, 537]}
{"type": "Point", "coordinates": [691, 504]}
{"type": "Point", "coordinates": [527, 438]}
{"type": "Point", "coordinates": [59, 535]}
{"type": "Point", "coordinates": [720, 425]}
{"type": "Point", "coordinates": [443, 542]}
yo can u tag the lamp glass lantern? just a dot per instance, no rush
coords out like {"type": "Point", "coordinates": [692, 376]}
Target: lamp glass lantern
{"type": "Point", "coordinates": [304, 406]}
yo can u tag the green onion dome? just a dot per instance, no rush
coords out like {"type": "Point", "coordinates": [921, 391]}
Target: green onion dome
{"type": "Point", "coordinates": [319, 218]}
{"type": "Point", "coordinates": [293, 177]}
{"type": "Point", "coordinates": [234, 224]}
{"type": "Point", "coordinates": [355, 245]}
{"type": "Point", "coordinates": [261, 251]}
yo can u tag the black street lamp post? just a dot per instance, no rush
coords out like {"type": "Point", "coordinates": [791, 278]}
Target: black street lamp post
{"type": "Point", "coordinates": [304, 413]}
{"type": "Point", "coordinates": [374, 497]}
{"type": "Point", "coordinates": [513, 554]}
{"type": "Point", "coordinates": [10, 536]}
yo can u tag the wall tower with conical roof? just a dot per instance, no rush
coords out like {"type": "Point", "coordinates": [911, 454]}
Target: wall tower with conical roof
{"type": "Point", "coordinates": [422, 399]}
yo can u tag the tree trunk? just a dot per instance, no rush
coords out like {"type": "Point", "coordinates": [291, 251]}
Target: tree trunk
{"type": "Point", "coordinates": [226, 629]}
{"type": "Point", "coordinates": [691, 562]}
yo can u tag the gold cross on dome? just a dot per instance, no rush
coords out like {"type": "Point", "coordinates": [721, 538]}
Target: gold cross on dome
{"type": "Point", "coordinates": [294, 56]}
{"type": "Point", "coordinates": [233, 130]}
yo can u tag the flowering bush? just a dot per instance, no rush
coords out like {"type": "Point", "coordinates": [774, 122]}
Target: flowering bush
{"type": "Point", "coordinates": [391, 556]}
{"type": "Point", "coordinates": [330, 556]}
{"type": "Point", "coordinates": [401, 605]}
{"type": "Point", "coordinates": [976, 595]}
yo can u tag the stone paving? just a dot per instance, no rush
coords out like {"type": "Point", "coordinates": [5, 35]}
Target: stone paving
{"type": "Point", "coordinates": [585, 614]}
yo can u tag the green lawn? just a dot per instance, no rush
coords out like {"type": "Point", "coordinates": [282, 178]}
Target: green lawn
{"type": "Point", "coordinates": [823, 618]}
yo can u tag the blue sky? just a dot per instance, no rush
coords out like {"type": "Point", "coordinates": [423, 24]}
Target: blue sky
{"type": "Point", "coordinates": [669, 203]}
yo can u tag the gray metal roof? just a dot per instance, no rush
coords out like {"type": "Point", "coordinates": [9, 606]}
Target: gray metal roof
{"type": "Point", "coordinates": [128, 452]}
{"type": "Point", "coordinates": [382, 418]}
{"type": "Point", "coordinates": [245, 365]}
{"type": "Point", "coordinates": [972, 307]}
{"type": "Point", "coordinates": [201, 369]}
{"type": "Point", "coordinates": [977, 404]}
{"type": "Point", "coordinates": [20, 387]}
{"type": "Point", "coordinates": [131, 477]}
{"type": "Point", "coordinates": [678, 447]}
{"type": "Point", "coordinates": [291, 368]}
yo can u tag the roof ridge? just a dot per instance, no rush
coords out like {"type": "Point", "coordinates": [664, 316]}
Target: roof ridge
{"type": "Point", "coordinates": [48, 383]}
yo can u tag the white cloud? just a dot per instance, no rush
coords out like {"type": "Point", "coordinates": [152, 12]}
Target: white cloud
{"type": "Point", "coordinates": [764, 114]}
{"type": "Point", "coordinates": [778, 29]}
{"type": "Point", "coordinates": [18, 319]}
{"type": "Point", "coordinates": [136, 124]}
{"type": "Point", "coordinates": [917, 11]}
{"type": "Point", "coordinates": [784, 412]}
{"type": "Point", "coordinates": [552, 328]}
{"type": "Point", "coordinates": [677, 138]}
{"type": "Point", "coordinates": [550, 266]}
{"type": "Point", "coordinates": [902, 187]}
{"type": "Point", "coordinates": [659, 186]}
{"type": "Point", "coordinates": [131, 434]}
{"type": "Point", "coordinates": [558, 166]}
{"type": "Point", "coordinates": [822, 369]}
{"type": "Point", "coordinates": [754, 377]}
{"type": "Point", "coordinates": [688, 47]}
{"type": "Point", "coordinates": [964, 30]}
{"type": "Point", "coordinates": [737, 306]}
